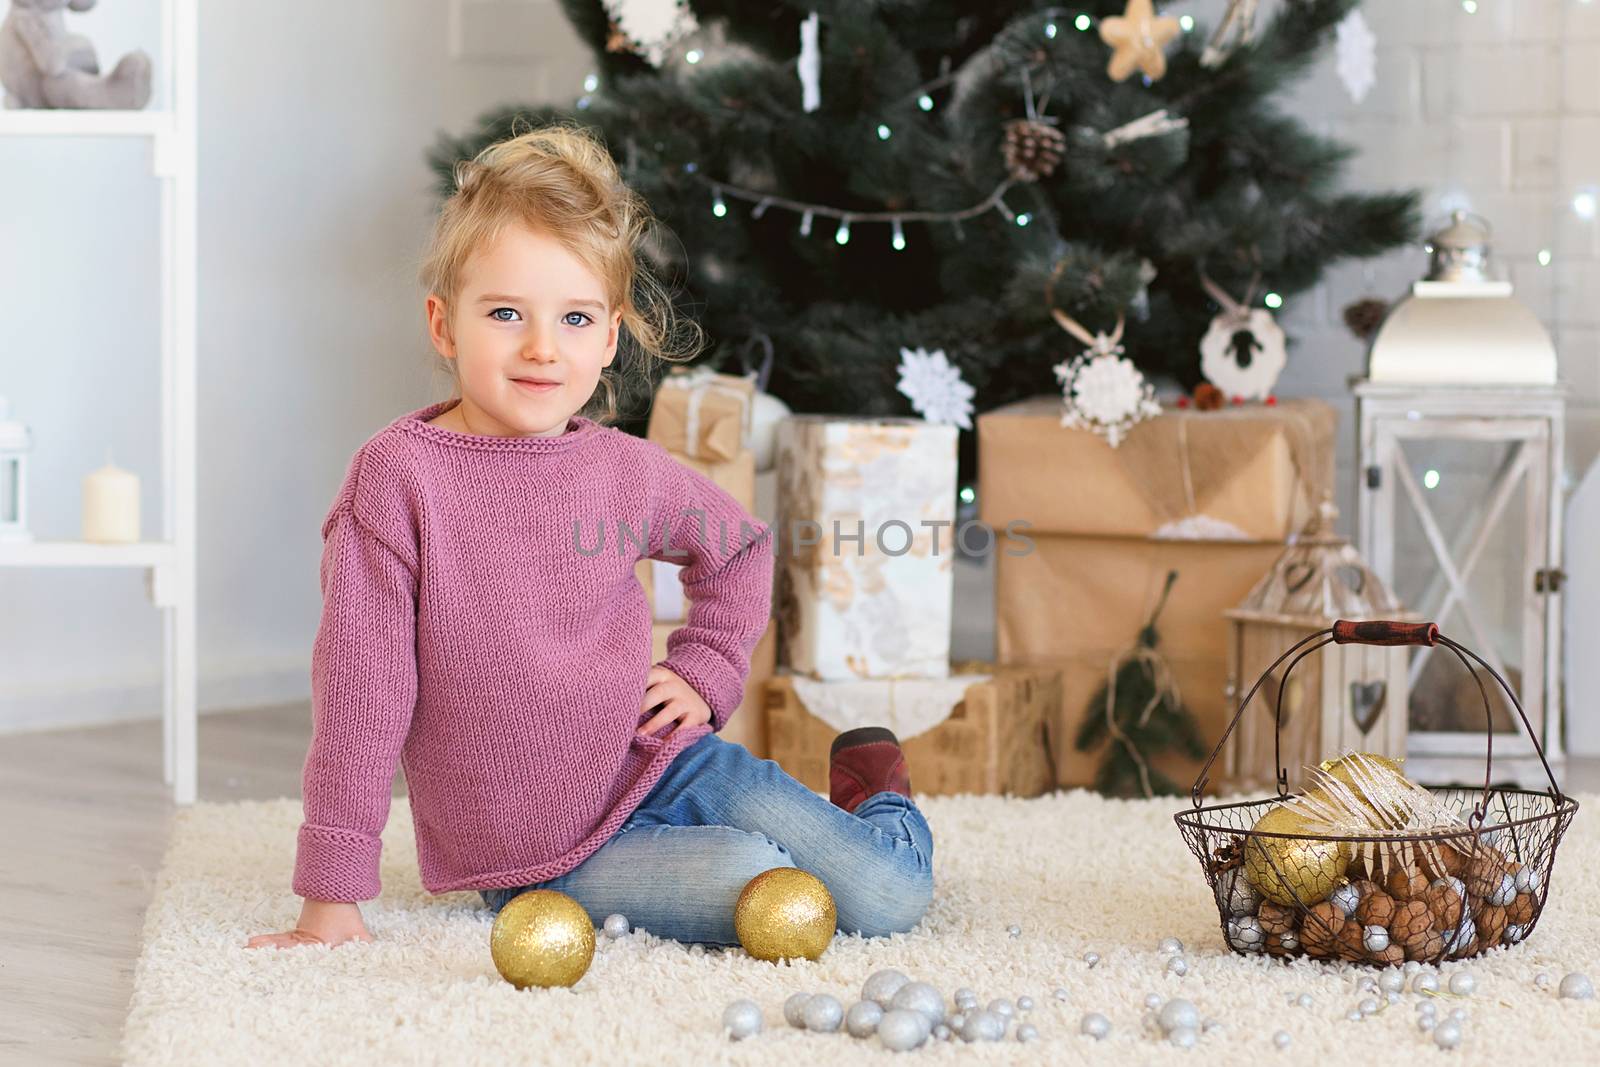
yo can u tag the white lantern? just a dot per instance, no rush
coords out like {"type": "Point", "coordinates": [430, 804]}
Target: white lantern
{"type": "Point", "coordinates": [1461, 423]}
{"type": "Point", "coordinates": [15, 442]}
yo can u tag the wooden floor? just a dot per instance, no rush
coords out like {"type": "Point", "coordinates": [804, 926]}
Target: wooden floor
{"type": "Point", "coordinates": [86, 818]}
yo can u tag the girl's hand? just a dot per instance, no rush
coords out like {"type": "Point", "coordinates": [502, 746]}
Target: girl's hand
{"type": "Point", "coordinates": [679, 702]}
{"type": "Point", "coordinates": [322, 922]}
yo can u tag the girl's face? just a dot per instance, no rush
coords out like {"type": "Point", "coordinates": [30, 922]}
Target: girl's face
{"type": "Point", "coordinates": [530, 333]}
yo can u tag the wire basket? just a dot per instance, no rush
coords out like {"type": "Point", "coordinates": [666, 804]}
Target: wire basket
{"type": "Point", "coordinates": [1383, 898]}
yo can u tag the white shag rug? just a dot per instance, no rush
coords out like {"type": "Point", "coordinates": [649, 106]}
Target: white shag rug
{"type": "Point", "coordinates": [1077, 872]}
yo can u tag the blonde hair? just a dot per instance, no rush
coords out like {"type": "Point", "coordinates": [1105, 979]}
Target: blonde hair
{"type": "Point", "coordinates": [560, 180]}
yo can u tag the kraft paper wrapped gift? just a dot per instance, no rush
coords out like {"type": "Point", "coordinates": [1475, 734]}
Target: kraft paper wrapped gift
{"type": "Point", "coordinates": [1254, 472]}
{"type": "Point", "coordinates": [748, 725]}
{"type": "Point", "coordinates": [1106, 525]}
{"type": "Point", "coordinates": [662, 589]}
{"type": "Point", "coordinates": [702, 415]}
{"type": "Point", "coordinates": [980, 729]}
{"type": "Point", "coordinates": [862, 592]}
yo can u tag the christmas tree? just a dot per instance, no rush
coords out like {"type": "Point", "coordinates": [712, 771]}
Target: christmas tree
{"type": "Point", "coordinates": [844, 179]}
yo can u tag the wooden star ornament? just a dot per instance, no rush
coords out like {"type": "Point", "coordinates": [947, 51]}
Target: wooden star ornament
{"type": "Point", "coordinates": [1137, 39]}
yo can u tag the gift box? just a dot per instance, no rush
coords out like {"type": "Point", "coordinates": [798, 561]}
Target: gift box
{"type": "Point", "coordinates": [990, 738]}
{"type": "Point", "coordinates": [1254, 473]}
{"type": "Point", "coordinates": [748, 725]}
{"type": "Point", "coordinates": [662, 589]}
{"type": "Point", "coordinates": [1104, 527]}
{"type": "Point", "coordinates": [702, 415]}
{"type": "Point", "coordinates": [866, 511]}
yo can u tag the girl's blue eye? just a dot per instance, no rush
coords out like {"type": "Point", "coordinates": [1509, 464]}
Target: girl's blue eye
{"type": "Point", "coordinates": [495, 314]}
{"type": "Point", "coordinates": [580, 315]}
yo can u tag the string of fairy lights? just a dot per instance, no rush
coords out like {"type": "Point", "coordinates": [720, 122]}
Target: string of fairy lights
{"type": "Point", "coordinates": [1053, 21]}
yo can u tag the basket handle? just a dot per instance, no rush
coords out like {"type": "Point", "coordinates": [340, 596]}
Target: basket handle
{"type": "Point", "coordinates": [1380, 632]}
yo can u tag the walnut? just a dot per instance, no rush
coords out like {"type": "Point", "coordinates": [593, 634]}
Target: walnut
{"type": "Point", "coordinates": [1491, 924]}
{"type": "Point", "coordinates": [1484, 873]}
{"type": "Point", "coordinates": [1442, 860]}
{"type": "Point", "coordinates": [1412, 929]}
{"type": "Point", "coordinates": [1364, 887]}
{"type": "Point", "coordinates": [1445, 904]}
{"type": "Point", "coordinates": [1320, 931]}
{"type": "Point", "coordinates": [1276, 919]}
{"type": "Point", "coordinates": [1284, 944]}
{"type": "Point", "coordinates": [1406, 883]}
{"type": "Point", "coordinates": [1389, 957]}
{"type": "Point", "coordinates": [1376, 909]}
{"type": "Point", "coordinates": [1348, 942]}
{"type": "Point", "coordinates": [1521, 909]}
{"type": "Point", "coordinates": [1425, 946]}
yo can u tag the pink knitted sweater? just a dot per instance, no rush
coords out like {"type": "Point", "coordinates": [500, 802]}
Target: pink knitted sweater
{"type": "Point", "coordinates": [469, 633]}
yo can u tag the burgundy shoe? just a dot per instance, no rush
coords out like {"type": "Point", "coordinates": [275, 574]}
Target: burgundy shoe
{"type": "Point", "coordinates": [865, 761]}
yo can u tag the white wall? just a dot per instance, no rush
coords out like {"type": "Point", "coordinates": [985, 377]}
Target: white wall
{"type": "Point", "coordinates": [314, 202]}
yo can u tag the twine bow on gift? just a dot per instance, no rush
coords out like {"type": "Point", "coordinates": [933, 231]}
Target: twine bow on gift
{"type": "Point", "coordinates": [1236, 313]}
{"type": "Point", "coordinates": [724, 438]}
{"type": "Point", "coordinates": [1101, 344]}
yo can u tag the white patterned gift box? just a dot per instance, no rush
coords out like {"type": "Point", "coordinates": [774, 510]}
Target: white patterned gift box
{"type": "Point", "coordinates": [866, 511]}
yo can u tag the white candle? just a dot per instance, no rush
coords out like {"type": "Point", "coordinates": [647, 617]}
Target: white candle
{"type": "Point", "coordinates": [111, 506]}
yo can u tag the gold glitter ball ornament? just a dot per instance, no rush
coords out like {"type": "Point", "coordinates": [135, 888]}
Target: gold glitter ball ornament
{"type": "Point", "coordinates": [1289, 871]}
{"type": "Point", "coordinates": [785, 913]}
{"type": "Point", "coordinates": [542, 938]}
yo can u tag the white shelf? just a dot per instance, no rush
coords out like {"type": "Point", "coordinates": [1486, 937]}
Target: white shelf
{"type": "Point", "coordinates": [84, 554]}
{"type": "Point", "coordinates": [38, 122]}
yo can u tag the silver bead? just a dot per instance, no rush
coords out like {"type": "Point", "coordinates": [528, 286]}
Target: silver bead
{"type": "Point", "coordinates": [1367, 985]}
{"type": "Point", "coordinates": [1393, 997]}
{"type": "Point", "coordinates": [1095, 1025]}
{"type": "Point", "coordinates": [1281, 1039]}
{"type": "Point", "coordinates": [1542, 980]}
{"type": "Point", "coordinates": [742, 1019]}
{"type": "Point", "coordinates": [1178, 1014]}
{"type": "Point", "coordinates": [1515, 933]}
{"type": "Point", "coordinates": [1462, 983]}
{"type": "Point", "coordinates": [1027, 1032]}
{"type": "Point", "coordinates": [881, 986]}
{"type": "Point", "coordinates": [1245, 934]}
{"type": "Point", "coordinates": [1391, 981]}
{"type": "Point", "coordinates": [793, 1010]}
{"type": "Point", "coordinates": [1170, 946]}
{"type": "Point", "coordinates": [1179, 966]}
{"type": "Point", "coordinates": [823, 1014]}
{"type": "Point", "coordinates": [1239, 897]}
{"type": "Point", "coordinates": [1529, 880]}
{"type": "Point", "coordinates": [863, 1018]}
{"type": "Point", "coordinates": [1014, 930]}
{"type": "Point", "coordinates": [941, 1032]}
{"type": "Point", "coordinates": [984, 1026]}
{"type": "Point", "coordinates": [1425, 983]}
{"type": "Point", "coordinates": [616, 926]}
{"type": "Point", "coordinates": [1091, 958]}
{"type": "Point", "coordinates": [1375, 938]}
{"type": "Point", "coordinates": [1183, 1037]}
{"type": "Point", "coordinates": [1304, 1000]}
{"type": "Point", "coordinates": [1505, 892]}
{"type": "Point", "coordinates": [1447, 1035]}
{"type": "Point", "coordinates": [1002, 1007]}
{"type": "Point", "coordinates": [902, 1030]}
{"type": "Point", "coordinates": [1411, 967]}
{"type": "Point", "coordinates": [1024, 1003]}
{"type": "Point", "coordinates": [1426, 1023]}
{"type": "Point", "coordinates": [1576, 986]}
{"type": "Point", "coordinates": [1369, 1006]}
{"type": "Point", "coordinates": [1464, 933]}
{"type": "Point", "coordinates": [920, 996]}
{"type": "Point", "coordinates": [957, 1021]}
{"type": "Point", "coordinates": [1152, 1001]}
{"type": "Point", "coordinates": [1354, 1015]}
{"type": "Point", "coordinates": [1061, 994]}
{"type": "Point", "coordinates": [1346, 898]}
{"type": "Point", "coordinates": [965, 993]}
{"type": "Point", "coordinates": [1458, 1015]}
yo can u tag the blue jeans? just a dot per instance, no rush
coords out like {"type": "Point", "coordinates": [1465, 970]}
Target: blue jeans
{"type": "Point", "coordinates": [717, 818]}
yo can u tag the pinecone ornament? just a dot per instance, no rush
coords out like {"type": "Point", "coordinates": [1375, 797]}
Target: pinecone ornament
{"type": "Point", "coordinates": [1032, 149]}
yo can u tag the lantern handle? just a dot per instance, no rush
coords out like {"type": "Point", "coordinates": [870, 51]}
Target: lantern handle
{"type": "Point", "coordinates": [1381, 632]}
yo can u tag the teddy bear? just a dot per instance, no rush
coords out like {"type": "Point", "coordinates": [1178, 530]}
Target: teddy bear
{"type": "Point", "coordinates": [44, 66]}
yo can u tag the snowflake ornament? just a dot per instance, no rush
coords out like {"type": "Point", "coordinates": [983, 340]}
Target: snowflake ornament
{"type": "Point", "coordinates": [935, 387]}
{"type": "Point", "coordinates": [1357, 55]}
{"type": "Point", "coordinates": [1104, 392]}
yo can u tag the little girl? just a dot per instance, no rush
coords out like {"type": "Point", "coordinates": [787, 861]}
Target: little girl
{"type": "Point", "coordinates": [482, 624]}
